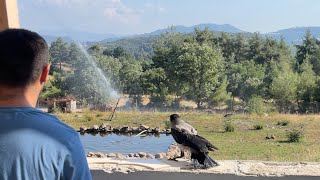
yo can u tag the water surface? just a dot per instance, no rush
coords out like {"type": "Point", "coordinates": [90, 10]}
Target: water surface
{"type": "Point", "coordinates": [117, 143]}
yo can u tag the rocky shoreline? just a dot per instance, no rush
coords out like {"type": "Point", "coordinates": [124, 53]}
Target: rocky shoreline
{"type": "Point", "coordinates": [107, 128]}
{"type": "Point", "coordinates": [173, 152]}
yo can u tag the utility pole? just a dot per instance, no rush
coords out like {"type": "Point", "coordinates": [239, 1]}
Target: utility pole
{"type": "Point", "coordinates": [9, 17]}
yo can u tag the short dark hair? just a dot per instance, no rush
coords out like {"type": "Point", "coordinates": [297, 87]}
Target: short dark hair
{"type": "Point", "coordinates": [23, 55]}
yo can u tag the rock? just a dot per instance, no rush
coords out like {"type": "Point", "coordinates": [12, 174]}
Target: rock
{"type": "Point", "coordinates": [99, 155]}
{"type": "Point", "coordinates": [187, 154]}
{"type": "Point", "coordinates": [143, 127]}
{"type": "Point", "coordinates": [131, 155]}
{"type": "Point", "coordinates": [90, 154]}
{"type": "Point", "coordinates": [168, 131]}
{"type": "Point", "coordinates": [105, 127]}
{"type": "Point", "coordinates": [120, 156]}
{"type": "Point", "coordinates": [142, 154]}
{"type": "Point", "coordinates": [173, 151]}
{"type": "Point", "coordinates": [112, 155]}
{"type": "Point", "coordinates": [160, 155]}
{"type": "Point", "coordinates": [135, 129]}
{"type": "Point", "coordinates": [150, 156]}
{"type": "Point", "coordinates": [136, 155]}
{"type": "Point", "coordinates": [83, 129]}
{"type": "Point", "coordinates": [116, 129]}
{"type": "Point", "coordinates": [95, 128]}
{"type": "Point", "coordinates": [272, 136]}
{"type": "Point", "coordinates": [125, 129]}
{"type": "Point", "coordinates": [156, 130]}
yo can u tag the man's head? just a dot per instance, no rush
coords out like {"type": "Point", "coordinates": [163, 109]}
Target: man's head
{"type": "Point", "coordinates": [24, 58]}
{"type": "Point", "coordinates": [23, 55]}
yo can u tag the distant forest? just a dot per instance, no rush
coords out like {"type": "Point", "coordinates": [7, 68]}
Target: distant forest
{"type": "Point", "coordinates": [251, 73]}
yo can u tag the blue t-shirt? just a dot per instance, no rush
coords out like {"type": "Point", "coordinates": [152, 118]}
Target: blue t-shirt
{"type": "Point", "coordinates": [36, 145]}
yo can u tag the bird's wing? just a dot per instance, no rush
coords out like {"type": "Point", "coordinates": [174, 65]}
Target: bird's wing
{"type": "Point", "coordinates": [186, 127]}
{"type": "Point", "coordinates": [210, 146]}
{"type": "Point", "coordinates": [195, 142]}
{"type": "Point", "coordinates": [192, 129]}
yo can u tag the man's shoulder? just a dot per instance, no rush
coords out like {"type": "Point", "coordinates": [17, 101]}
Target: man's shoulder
{"type": "Point", "coordinates": [51, 121]}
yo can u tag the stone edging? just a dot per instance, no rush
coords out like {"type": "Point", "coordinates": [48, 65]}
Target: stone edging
{"type": "Point", "coordinates": [107, 128]}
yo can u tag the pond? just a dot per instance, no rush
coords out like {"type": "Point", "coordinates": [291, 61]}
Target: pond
{"type": "Point", "coordinates": [125, 144]}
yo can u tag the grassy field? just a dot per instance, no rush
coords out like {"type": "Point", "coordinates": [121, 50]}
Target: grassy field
{"type": "Point", "coordinates": [244, 143]}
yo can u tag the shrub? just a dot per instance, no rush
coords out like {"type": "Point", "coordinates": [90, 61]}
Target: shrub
{"type": "Point", "coordinates": [256, 105]}
{"type": "Point", "coordinates": [295, 135]}
{"type": "Point", "coordinates": [55, 110]}
{"type": "Point", "coordinates": [99, 114]}
{"type": "Point", "coordinates": [228, 127]}
{"type": "Point", "coordinates": [283, 123]}
{"type": "Point", "coordinates": [258, 127]}
{"type": "Point", "coordinates": [89, 117]}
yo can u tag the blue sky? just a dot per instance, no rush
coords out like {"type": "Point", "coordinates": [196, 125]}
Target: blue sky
{"type": "Point", "coordinates": [140, 16]}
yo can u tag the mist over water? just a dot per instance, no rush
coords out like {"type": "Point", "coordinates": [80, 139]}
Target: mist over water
{"type": "Point", "coordinates": [104, 82]}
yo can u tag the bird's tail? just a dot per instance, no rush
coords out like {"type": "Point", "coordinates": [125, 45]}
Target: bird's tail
{"type": "Point", "coordinates": [209, 162]}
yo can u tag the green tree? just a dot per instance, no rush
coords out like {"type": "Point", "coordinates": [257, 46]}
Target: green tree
{"type": "Point", "coordinates": [50, 89]}
{"type": "Point", "coordinates": [199, 66]}
{"type": "Point", "coordinates": [306, 87]}
{"type": "Point", "coordinates": [256, 105]}
{"type": "Point", "coordinates": [284, 86]}
{"type": "Point", "coordinates": [246, 79]}
{"type": "Point", "coordinates": [219, 95]}
{"type": "Point", "coordinates": [59, 52]}
{"type": "Point", "coordinates": [308, 47]}
{"type": "Point", "coordinates": [130, 78]}
{"type": "Point", "coordinates": [155, 83]}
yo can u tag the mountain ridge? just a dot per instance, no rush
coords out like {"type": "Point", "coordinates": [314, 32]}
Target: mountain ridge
{"type": "Point", "coordinates": [292, 35]}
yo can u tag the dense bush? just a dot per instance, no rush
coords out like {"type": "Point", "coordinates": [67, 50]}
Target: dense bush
{"type": "Point", "coordinates": [229, 127]}
{"type": "Point", "coordinates": [295, 135]}
{"type": "Point", "coordinates": [258, 127]}
{"type": "Point", "coordinates": [283, 123]}
{"type": "Point", "coordinates": [256, 105]}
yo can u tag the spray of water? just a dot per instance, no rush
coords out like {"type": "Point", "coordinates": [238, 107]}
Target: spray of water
{"type": "Point", "coordinates": [105, 83]}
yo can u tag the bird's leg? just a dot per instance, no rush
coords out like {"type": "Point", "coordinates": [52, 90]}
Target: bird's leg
{"type": "Point", "coordinates": [181, 154]}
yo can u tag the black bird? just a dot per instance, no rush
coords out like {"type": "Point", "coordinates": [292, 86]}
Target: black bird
{"type": "Point", "coordinates": [188, 139]}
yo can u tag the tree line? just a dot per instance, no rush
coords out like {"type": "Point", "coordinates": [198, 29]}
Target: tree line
{"type": "Point", "coordinates": [244, 72]}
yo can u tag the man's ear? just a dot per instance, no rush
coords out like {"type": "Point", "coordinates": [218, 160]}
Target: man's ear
{"type": "Point", "coordinates": [45, 74]}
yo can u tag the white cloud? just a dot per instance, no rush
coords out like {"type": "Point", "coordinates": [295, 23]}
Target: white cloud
{"type": "Point", "coordinates": [118, 11]}
{"type": "Point", "coordinates": [161, 9]}
{"type": "Point", "coordinates": [62, 3]}
{"type": "Point", "coordinates": [154, 8]}
{"type": "Point", "coordinates": [115, 11]}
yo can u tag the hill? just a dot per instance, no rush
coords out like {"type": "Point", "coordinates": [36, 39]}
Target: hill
{"type": "Point", "coordinates": [185, 29]}
{"type": "Point", "coordinates": [296, 34]}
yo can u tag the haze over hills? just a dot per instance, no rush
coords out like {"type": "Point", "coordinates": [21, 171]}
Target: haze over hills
{"type": "Point", "coordinates": [291, 35]}
{"type": "Point", "coordinates": [77, 36]}
{"type": "Point", "coordinates": [295, 35]}
{"type": "Point", "coordinates": [185, 29]}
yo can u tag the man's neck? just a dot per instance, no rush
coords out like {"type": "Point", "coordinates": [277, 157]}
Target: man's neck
{"type": "Point", "coordinates": [15, 97]}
